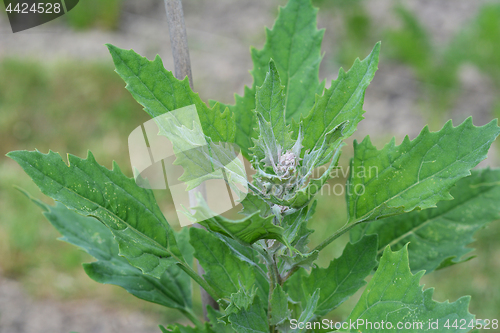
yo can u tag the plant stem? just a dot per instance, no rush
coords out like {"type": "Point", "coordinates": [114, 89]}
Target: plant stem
{"type": "Point", "coordinates": [191, 316]}
{"type": "Point", "coordinates": [324, 244]}
{"type": "Point", "coordinates": [272, 284]}
{"type": "Point", "coordinates": [290, 273]}
{"type": "Point", "coordinates": [274, 279]}
{"type": "Point", "coordinates": [203, 284]}
{"type": "Point", "coordinates": [336, 235]}
{"type": "Point", "coordinates": [185, 311]}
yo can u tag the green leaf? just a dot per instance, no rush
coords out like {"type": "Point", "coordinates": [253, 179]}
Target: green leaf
{"type": "Point", "coordinates": [202, 160]}
{"type": "Point", "coordinates": [159, 92]}
{"type": "Point", "coordinates": [223, 271]}
{"type": "Point", "coordinates": [240, 300]}
{"type": "Point", "coordinates": [174, 278]}
{"type": "Point", "coordinates": [305, 314]}
{"type": "Point", "coordinates": [250, 256]}
{"type": "Point", "coordinates": [296, 232]}
{"type": "Point", "coordinates": [274, 135]}
{"type": "Point", "coordinates": [130, 212]}
{"type": "Point", "coordinates": [253, 203]}
{"type": "Point", "coordinates": [245, 120]}
{"type": "Point", "coordinates": [219, 161]}
{"type": "Point", "coordinates": [438, 236]}
{"type": "Point", "coordinates": [177, 328]}
{"type": "Point", "coordinates": [297, 291]}
{"type": "Point", "coordinates": [216, 325]}
{"type": "Point", "coordinates": [110, 268]}
{"type": "Point", "coordinates": [342, 102]}
{"type": "Point", "coordinates": [416, 174]}
{"type": "Point", "coordinates": [245, 253]}
{"type": "Point", "coordinates": [250, 320]}
{"type": "Point", "coordinates": [279, 306]}
{"type": "Point", "coordinates": [343, 277]}
{"type": "Point", "coordinates": [310, 309]}
{"type": "Point", "coordinates": [247, 230]}
{"type": "Point", "coordinates": [294, 44]}
{"type": "Point", "coordinates": [305, 260]}
{"type": "Point", "coordinates": [323, 153]}
{"type": "Point", "coordinates": [394, 294]}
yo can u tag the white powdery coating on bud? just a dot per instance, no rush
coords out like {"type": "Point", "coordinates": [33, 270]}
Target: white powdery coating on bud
{"type": "Point", "coordinates": [288, 159]}
{"type": "Point", "coordinates": [286, 164]}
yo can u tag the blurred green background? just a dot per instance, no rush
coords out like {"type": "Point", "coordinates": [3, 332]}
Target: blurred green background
{"type": "Point", "coordinates": [72, 105]}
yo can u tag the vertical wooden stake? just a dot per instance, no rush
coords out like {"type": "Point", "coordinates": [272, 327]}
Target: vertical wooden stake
{"type": "Point", "coordinates": [178, 39]}
{"type": "Point", "coordinates": [182, 65]}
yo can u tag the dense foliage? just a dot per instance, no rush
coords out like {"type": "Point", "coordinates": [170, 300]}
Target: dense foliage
{"type": "Point", "coordinates": [259, 267]}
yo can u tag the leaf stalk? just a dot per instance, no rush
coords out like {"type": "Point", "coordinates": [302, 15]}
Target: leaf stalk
{"type": "Point", "coordinates": [204, 284]}
{"type": "Point", "coordinates": [336, 235]}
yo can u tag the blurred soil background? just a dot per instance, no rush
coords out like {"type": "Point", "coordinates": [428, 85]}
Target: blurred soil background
{"type": "Point", "coordinates": [440, 60]}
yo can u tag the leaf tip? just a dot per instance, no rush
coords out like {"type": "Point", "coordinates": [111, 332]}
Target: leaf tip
{"type": "Point", "coordinates": [110, 47]}
{"type": "Point", "coordinates": [116, 168]}
{"type": "Point", "coordinates": [90, 156]}
{"type": "Point", "coordinates": [12, 154]}
{"type": "Point", "coordinates": [366, 140]}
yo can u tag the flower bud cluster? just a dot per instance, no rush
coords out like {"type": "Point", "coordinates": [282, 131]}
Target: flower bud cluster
{"type": "Point", "coordinates": [286, 165]}
{"type": "Point", "coordinates": [282, 181]}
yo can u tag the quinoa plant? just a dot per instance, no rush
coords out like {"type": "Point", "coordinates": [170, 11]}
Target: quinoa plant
{"type": "Point", "coordinates": [412, 208]}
